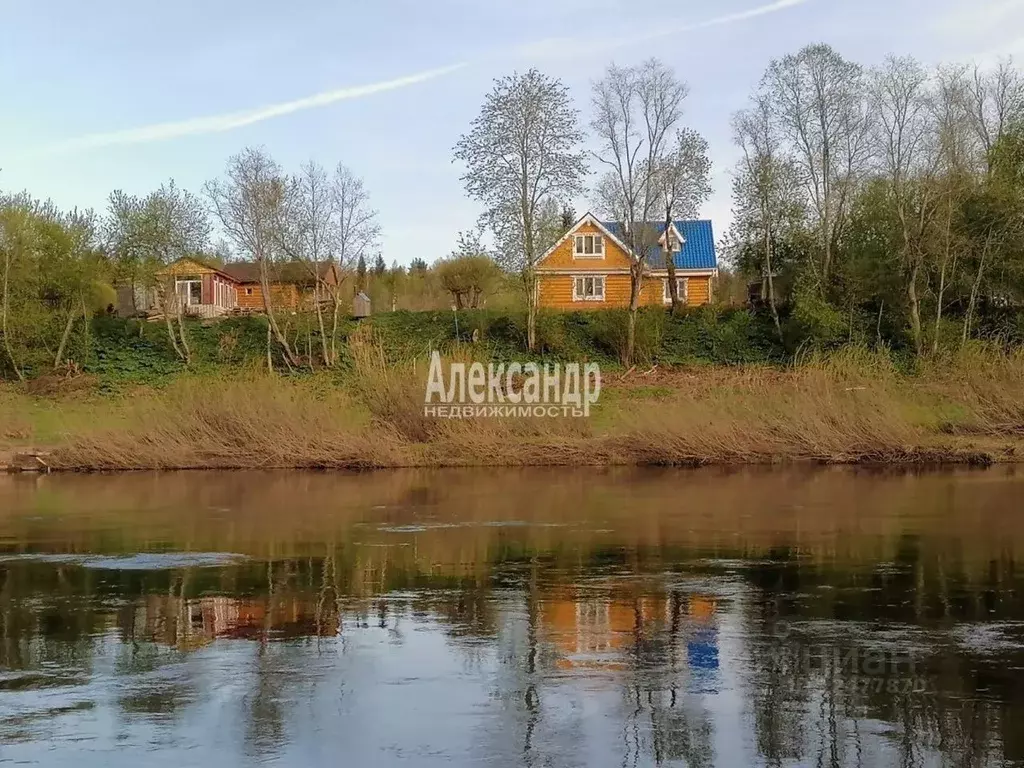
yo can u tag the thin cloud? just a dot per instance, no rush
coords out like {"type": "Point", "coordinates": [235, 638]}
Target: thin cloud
{"type": "Point", "coordinates": [572, 47]}
{"type": "Point", "coordinates": [228, 122]}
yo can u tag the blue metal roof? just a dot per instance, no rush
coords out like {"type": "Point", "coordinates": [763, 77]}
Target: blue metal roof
{"type": "Point", "coordinates": [698, 251]}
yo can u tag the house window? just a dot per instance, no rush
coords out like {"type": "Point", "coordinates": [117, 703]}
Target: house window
{"type": "Point", "coordinates": [248, 291]}
{"type": "Point", "coordinates": [189, 290]}
{"type": "Point", "coordinates": [591, 246]}
{"type": "Point", "coordinates": [674, 243]}
{"type": "Point", "coordinates": [588, 288]}
{"type": "Point", "coordinates": [682, 285]}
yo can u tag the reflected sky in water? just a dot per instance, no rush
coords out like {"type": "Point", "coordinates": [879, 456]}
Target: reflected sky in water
{"type": "Point", "coordinates": [542, 617]}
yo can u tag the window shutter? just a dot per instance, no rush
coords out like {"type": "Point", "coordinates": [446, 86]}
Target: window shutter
{"type": "Point", "coordinates": [598, 244]}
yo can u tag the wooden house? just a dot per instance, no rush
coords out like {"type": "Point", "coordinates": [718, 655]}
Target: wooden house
{"type": "Point", "coordinates": [589, 267]}
{"type": "Point", "coordinates": [209, 290]}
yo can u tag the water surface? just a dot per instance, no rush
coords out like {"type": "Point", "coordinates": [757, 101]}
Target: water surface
{"type": "Point", "coordinates": [527, 617]}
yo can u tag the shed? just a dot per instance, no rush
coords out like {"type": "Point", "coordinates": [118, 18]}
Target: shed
{"type": "Point", "coordinates": [361, 305]}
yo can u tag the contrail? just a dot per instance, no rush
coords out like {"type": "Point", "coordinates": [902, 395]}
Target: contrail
{"type": "Point", "coordinates": [570, 47]}
{"type": "Point", "coordinates": [227, 122]}
{"type": "Point", "coordinates": [550, 47]}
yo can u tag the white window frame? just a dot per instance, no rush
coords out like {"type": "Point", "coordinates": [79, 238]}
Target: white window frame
{"type": "Point", "coordinates": [187, 296]}
{"type": "Point", "coordinates": [682, 285]}
{"type": "Point", "coordinates": [579, 283]}
{"type": "Point", "coordinates": [579, 246]}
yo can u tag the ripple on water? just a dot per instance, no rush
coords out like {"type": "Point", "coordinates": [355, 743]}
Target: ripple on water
{"type": "Point", "coordinates": [141, 561]}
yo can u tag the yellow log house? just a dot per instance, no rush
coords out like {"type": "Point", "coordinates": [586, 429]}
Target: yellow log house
{"type": "Point", "coordinates": [589, 267]}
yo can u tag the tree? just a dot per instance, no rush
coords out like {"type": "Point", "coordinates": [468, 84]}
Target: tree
{"type": "Point", "coordinates": [379, 267]}
{"type": "Point", "coordinates": [393, 280]}
{"type": "Point", "coordinates": [905, 143]}
{"type": "Point", "coordinates": [766, 207]}
{"type": "Point", "coordinates": [636, 110]}
{"type": "Point", "coordinates": [568, 218]}
{"type": "Point", "coordinates": [994, 103]}
{"type": "Point", "coordinates": [306, 231]}
{"type": "Point", "coordinates": [361, 273]}
{"type": "Point", "coordinates": [417, 265]}
{"type": "Point", "coordinates": [522, 153]}
{"type": "Point", "coordinates": [248, 204]}
{"type": "Point", "coordinates": [683, 181]}
{"type": "Point", "coordinates": [469, 273]}
{"type": "Point", "coordinates": [817, 98]}
{"type": "Point", "coordinates": [148, 234]}
{"type": "Point", "coordinates": [358, 233]}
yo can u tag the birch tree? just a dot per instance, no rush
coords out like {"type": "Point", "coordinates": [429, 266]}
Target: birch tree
{"type": "Point", "coordinates": [521, 154]}
{"type": "Point", "coordinates": [247, 203]}
{"type": "Point", "coordinates": [684, 184]}
{"type": "Point", "coordinates": [357, 234]}
{"type": "Point", "coordinates": [636, 111]}
{"type": "Point", "coordinates": [905, 143]}
{"type": "Point", "coordinates": [994, 103]}
{"type": "Point", "coordinates": [766, 204]}
{"type": "Point", "coordinates": [817, 99]}
{"type": "Point", "coordinates": [306, 233]}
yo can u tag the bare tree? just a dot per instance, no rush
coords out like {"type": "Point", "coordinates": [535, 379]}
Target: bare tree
{"type": "Point", "coordinates": [683, 180]}
{"type": "Point", "coordinates": [766, 197]}
{"type": "Point", "coordinates": [636, 110]}
{"type": "Point", "coordinates": [521, 153]}
{"type": "Point", "coordinates": [247, 203]}
{"type": "Point", "coordinates": [357, 233]}
{"type": "Point", "coordinates": [956, 142]}
{"type": "Point", "coordinates": [817, 98]}
{"type": "Point", "coordinates": [906, 148]}
{"type": "Point", "coordinates": [993, 101]}
{"type": "Point", "coordinates": [307, 229]}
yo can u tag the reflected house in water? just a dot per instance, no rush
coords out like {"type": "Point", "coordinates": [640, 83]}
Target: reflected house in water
{"type": "Point", "coordinates": [194, 623]}
{"type": "Point", "coordinates": [605, 630]}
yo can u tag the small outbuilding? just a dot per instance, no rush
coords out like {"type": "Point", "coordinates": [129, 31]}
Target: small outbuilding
{"type": "Point", "coordinates": [360, 305]}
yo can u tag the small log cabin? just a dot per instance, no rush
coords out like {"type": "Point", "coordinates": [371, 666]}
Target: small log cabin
{"type": "Point", "coordinates": [210, 290]}
{"type": "Point", "coordinates": [589, 267]}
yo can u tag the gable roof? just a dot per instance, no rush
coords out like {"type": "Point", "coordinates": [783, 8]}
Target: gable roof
{"type": "Point", "coordinates": [698, 251]}
{"type": "Point", "coordinates": [287, 272]}
{"type": "Point", "coordinates": [587, 218]}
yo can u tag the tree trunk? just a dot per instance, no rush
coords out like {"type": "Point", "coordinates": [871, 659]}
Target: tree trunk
{"type": "Point", "coordinates": [268, 307]}
{"type": "Point", "coordinates": [183, 337]}
{"type": "Point", "coordinates": [334, 329]}
{"type": "Point", "coordinates": [165, 306]}
{"type": "Point", "coordinates": [938, 305]}
{"type": "Point", "coordinates": [323, 331]}
{"type": "Point", "coordinates": [670, 265]}
{"type": "Point", "coordinates": [59, 357]}
{"type": "Point", "coordinates": [270, 357]}
{"type": "Point", "coordinates": [770, 279]}
{"type": "Point", "coordinates": [530, 281]}
{"type": "Point", "coordinates": [636, 275]}
{"type": "Point", "coordinates": [3, 318]}
{"type": "Point", "coordinates": [969, 317]}
{"type": "Point", "coordinates": [915, 309]}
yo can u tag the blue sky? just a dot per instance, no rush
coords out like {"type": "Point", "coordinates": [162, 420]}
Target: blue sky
{"type": "Point", "coordinates": [109, 93]}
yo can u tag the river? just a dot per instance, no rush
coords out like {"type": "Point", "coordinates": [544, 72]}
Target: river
{"type": "Point", "coordinates": [544, 617]}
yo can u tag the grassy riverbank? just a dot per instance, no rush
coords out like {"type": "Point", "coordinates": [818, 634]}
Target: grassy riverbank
{"type": "Point", "coordinates": [851, 406]}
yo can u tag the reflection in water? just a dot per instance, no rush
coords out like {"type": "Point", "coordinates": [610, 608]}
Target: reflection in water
{"type": "Point", "coordinates": [519, 618]}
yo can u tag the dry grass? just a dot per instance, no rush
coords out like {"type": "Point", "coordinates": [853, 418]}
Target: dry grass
{"type": "Point", "coordinates": [850, 407]}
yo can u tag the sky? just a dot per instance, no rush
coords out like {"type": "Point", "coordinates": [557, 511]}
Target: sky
{"type": "Point", "coordinates": [120, 94]}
